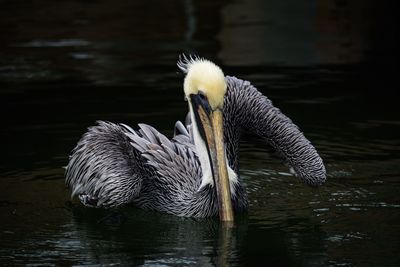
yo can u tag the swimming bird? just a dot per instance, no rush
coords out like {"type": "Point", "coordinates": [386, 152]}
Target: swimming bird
{"type": "Point", "coordinates": [113, 165]}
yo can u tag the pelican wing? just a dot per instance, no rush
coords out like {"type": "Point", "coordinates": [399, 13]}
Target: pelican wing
{"type": "Point", "coordinates": [104, 170]}
{"type": "Point", "coordinates": [110, 163]}
{"type": "Point", "coordinates": [174, 161]}
{"type": "Point", "coordinates": [175, 175]}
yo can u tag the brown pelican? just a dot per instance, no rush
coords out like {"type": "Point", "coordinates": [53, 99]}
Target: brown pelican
{"type": "Point", "coordinates": [113, 165]}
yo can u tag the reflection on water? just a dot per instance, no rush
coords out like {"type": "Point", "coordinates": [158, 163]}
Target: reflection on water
{"type": "Point", "coordinates": [65, 65]}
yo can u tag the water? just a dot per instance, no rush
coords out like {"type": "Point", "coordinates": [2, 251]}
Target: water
{"type": "Point", "coordinates": [65, 65]}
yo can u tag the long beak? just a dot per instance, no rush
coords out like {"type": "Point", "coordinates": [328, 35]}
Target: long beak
{"type": "Point", "coordinates": [212, 132]}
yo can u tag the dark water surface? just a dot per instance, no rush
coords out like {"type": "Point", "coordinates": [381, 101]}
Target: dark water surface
{"type": "Point", "coordinates": [66, 64]}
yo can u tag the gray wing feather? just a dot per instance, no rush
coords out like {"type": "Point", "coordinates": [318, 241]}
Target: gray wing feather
{"type": "Point", "coordinates": [183, 133]}
{"type": "Point", "coordinates": [180, 129]}
{"type": "Point", "coordinates": [148, 132]}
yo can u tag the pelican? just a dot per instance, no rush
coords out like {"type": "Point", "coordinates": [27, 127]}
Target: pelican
{"type": "Point", "coordinates": [196, 172]}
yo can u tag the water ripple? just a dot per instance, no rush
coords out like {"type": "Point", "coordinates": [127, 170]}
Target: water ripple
{"type": "Point", "coordinates": [57, 43]}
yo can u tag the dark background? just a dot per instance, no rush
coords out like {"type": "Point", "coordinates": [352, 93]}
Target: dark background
{"type": "Point", "coordinates": [331, 66]}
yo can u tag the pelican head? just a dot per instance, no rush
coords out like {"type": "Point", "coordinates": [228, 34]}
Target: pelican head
{"type": "Point", "coordinates": [205, 88]}
{"type": "Point", "coordinates": [205, 78]}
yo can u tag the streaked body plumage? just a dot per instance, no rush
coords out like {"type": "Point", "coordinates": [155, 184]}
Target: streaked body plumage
{"type": "Point", "coordinates": [113, 165]}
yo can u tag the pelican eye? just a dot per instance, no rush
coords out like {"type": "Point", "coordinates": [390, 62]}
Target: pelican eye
{"type": "Point", "coordinates": [202, 95]}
